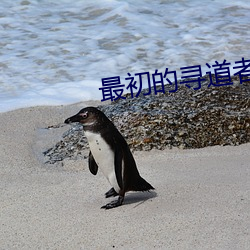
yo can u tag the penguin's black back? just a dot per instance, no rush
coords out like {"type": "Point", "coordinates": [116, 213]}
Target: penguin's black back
{"type": "Point", "coordinates": [132, 180]}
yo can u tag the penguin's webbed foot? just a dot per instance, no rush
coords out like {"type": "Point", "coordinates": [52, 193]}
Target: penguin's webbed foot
{"type": "Point", "coordinates": [111, 193]}
{"type": "Point", "coordinates": [113, 204]}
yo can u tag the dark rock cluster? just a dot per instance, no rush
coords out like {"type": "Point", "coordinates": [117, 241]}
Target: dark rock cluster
{"type": "Point", "coordinates": [187, 118]}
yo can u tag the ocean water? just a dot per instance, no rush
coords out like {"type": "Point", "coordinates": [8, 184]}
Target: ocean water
{"type": "Point", "coordinates": [57, 52]}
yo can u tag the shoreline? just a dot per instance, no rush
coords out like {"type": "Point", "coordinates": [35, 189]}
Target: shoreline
{"type": "Point", "coordinates": [201, 197]}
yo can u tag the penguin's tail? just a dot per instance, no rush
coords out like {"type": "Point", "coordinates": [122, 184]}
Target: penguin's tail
{"type": "Point", "coordinates": [141, 185]}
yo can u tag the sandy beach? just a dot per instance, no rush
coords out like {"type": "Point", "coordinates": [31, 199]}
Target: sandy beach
{"type": "Point", "coordinates": [201, 198]}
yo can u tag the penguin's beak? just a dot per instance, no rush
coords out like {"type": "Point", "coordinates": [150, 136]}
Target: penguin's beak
{"type": "Point", "coordinates": [74, 118]}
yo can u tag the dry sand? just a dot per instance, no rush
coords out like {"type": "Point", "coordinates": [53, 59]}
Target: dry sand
{"type": "Point", "coordinates": [201, 201]}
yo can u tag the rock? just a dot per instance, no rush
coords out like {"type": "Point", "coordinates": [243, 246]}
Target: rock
{"type": "Point", "coordinates": [185, 119]}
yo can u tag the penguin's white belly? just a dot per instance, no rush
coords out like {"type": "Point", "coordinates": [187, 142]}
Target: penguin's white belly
{"type": "Point", "coordinates": [104, 157]}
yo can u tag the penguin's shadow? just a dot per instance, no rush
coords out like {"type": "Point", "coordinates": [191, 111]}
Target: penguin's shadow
{"type": "Point", "coordinates": [137, 198]}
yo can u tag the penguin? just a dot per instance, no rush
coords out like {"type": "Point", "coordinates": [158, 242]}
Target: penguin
{"type": "Point", "coordinates": [110, 152]}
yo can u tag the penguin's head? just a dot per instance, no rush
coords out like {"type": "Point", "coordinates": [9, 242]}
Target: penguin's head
{"type": "Point", "coordinates": [88, 117]}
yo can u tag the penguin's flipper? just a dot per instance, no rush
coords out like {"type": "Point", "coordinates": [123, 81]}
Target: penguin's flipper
{"type": "Point", "coordinates": [93, 167]}
{"type": "Point", "coordinates": [111, 193]}
{"type": "Point", "coordinates": [118, 166]}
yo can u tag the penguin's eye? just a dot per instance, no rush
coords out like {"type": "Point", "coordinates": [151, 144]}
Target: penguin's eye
{"type": "Point", "coordinates": [84, 115]}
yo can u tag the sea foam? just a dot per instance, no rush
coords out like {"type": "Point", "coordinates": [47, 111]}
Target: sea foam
{"type": "Point", "coordinates": [57, 52]}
